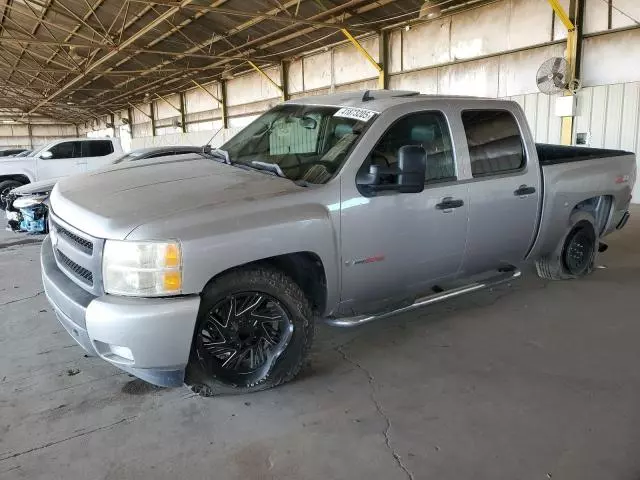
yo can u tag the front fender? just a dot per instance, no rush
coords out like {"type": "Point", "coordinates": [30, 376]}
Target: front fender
{"type": "Point", "coordinates": [221, 242]}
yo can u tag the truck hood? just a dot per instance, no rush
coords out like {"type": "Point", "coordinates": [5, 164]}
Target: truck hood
{"type": "Point", "coordinates": [111, 202]}
{"type": "Point", "coordinates": [43, 186]}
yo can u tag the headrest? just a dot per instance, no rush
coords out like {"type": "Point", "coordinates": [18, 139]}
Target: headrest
{"type": "Point", "coordinates": [342, 129]}
{"type": "Point", "coordinates": [423, 134]}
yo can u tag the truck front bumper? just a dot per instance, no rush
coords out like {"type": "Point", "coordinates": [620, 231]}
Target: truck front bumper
{"type": "Point", "coordinates": [147, 337]}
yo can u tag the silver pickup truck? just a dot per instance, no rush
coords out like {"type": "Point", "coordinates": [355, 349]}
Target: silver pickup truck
{"type": "Point", "coordinates": [343, 208]}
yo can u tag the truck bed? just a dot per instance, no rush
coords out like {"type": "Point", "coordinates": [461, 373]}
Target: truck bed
{"type": "Point", "coordinates": [555, 154]}
{"type": "Point", "coordinates": [584, 178]}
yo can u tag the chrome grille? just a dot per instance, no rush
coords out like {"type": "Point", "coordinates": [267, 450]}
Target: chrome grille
{"type": "Point", "coordinates": [78, 255]}
{"type": "Point", "coordinates": [80, 272]}
{"type": "Point", "coordinates": [80, 242]}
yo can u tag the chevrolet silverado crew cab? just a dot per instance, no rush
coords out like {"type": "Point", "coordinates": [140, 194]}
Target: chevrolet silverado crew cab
{"type": "Point", "coordinates": [56, 160]}
{"type": "Point", "coordinates": [343, 208]}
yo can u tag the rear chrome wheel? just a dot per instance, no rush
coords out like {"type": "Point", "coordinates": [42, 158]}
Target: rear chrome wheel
{"type": "Point", "coordinates": [253, 332]}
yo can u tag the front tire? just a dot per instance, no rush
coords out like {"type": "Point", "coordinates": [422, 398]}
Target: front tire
{"type": "Point", "coordinates": [254, 331]}
{"type": "Point", "coordinates": [5, 187]}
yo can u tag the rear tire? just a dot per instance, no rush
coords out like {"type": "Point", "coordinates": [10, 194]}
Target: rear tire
{"type": "Point", "coordinates": [5, 187]}
{"type": "Point", "coordinates": [254, 331]}
{"type": "Point", "coordinates": [576, 256]}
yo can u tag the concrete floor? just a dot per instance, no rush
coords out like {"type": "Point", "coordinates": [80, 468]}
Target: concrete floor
{"type": "Point", "coordinates": [533, 381]}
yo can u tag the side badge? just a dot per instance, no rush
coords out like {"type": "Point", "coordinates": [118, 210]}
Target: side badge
{"type": "Point", "coordinates": [363, 261]}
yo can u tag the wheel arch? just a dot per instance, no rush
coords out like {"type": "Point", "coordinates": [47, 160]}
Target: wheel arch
{"type": "Point", "coordinates": [22, 178]}
{"type": "Point", "coordinates": [305, 268]}
{"type": "Point", "coordinates": [600, 207]}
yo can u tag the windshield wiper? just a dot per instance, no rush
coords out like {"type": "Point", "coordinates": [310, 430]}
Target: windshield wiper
{"type": "Point", "coordinates": [216, 154]}
{"type": "Point", "coordinates": [269, 167]}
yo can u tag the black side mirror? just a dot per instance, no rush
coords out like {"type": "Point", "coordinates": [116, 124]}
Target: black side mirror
{"type": "Point", "coordinates": [407, 177]}
{"type": "Point", "coordinates": [412, 168]}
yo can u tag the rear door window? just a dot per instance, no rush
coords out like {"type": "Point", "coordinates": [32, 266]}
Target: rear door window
{"type": "Point", "coordinates": [97, 148]}
{"type": "Point", "coordinates": [494, 142]}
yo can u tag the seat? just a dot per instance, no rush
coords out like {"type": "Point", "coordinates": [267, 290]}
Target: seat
{"type": "Point", "coordinates": [440, 163]}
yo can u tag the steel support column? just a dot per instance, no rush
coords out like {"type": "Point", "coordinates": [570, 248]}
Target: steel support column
{"type": "Point", "coordinates": [383, 55]}
{"type": "Point", "coordinates": [284, 80]}
{"type": "Point", "coordinates": [153, 119]}
{"type": "Point", "coordinates": [223, 104]}
{"type": "Point", "coordinates": [183, 113]}
{"type": "Point", "coordinates": [130, 119]}
{"type": "Point", "coordinates": [573, 22]}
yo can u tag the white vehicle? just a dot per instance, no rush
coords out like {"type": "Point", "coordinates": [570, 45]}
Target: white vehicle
{"type": "Point", "coordinates": [56, 160]}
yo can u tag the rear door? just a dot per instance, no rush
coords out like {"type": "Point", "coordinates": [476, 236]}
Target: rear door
{"type": "Point", "coordinates": [504, 189]}
{"type": "Point", "coordinates": [64, 161]}
{"type": "Point", "coordinates": [96, 153]}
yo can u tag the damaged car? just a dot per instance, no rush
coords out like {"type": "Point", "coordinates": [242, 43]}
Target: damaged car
{"type": "Point", "coordinates": [27, 205]}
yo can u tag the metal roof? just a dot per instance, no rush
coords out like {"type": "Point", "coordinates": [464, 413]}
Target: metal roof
{"type": "Point", "coordinates": [75, 59]}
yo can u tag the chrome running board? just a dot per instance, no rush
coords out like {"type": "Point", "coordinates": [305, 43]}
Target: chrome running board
{"type": "Point", "coordinates": [503, 277]}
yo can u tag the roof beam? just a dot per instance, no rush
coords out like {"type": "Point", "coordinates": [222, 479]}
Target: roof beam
{"type": "Point", "coordinates": [73, 32]}
{"type": "Point", "coordinates": [333, 11]}
{"type": "Point", "coordinates": [254, 21]}
{"type": "Point", "coordinates": [132, 50]}
{"type": "Point", "coordinates": [108, 56]}
{"type": "Point", "coordinates": [162, 37]}
{"type": "Point", "coordinates": [260, 16]}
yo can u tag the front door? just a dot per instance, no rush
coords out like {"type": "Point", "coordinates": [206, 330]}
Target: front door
{"type": "Point", "coordinates": [63, 161]}
{"type": "Point", "coordinates": [397, 245]}
{"type": "Point", "coordinates": [504, 193]}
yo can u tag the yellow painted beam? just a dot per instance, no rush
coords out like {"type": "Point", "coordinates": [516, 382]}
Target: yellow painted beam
{"type": "Point", "coordinates": [361, 49]}
{"type": "Point", "coordinates": [206, 91]}
{"type": "Point", "coordinates": [381, 72]}
{"type": "Point", "coordinates": [141, 111]}
{"type": "Point", "coordinates": [168, 103]}
{"type": "Point", "coordinates": [562, 15]}
{"type": "Point", "coordinates": [263, 73]}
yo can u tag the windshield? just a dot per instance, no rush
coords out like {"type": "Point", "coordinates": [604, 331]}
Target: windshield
{"type": "Point", "coordinates": [300, 142]}
{"type": "Point", "coordinates": [37, 151]}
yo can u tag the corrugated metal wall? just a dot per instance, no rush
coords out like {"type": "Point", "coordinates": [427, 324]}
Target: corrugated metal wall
{"type": "Point", "coordinates": [539, 109]}
{"type": "Point", "coordinates": [610, 116]}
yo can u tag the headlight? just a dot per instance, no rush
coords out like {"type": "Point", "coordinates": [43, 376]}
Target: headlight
{"type": "Point", "coordinates": [142, 269]}
{"type": "Point", "coordinates": [26, 202]}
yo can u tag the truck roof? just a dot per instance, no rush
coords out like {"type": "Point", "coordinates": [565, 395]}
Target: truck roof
{"type": "Point", "coordinates": [379, 100]}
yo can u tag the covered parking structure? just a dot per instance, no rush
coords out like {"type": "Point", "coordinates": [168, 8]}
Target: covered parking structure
{"type": "Point", "coordinates": [533, 380]}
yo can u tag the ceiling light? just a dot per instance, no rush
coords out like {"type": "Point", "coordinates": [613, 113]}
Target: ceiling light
{"type": "Point", "coordinates": [430, 10]}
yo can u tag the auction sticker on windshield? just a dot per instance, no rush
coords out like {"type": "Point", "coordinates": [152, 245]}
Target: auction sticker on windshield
{"type": "Point", "coordinates": [354, 113]}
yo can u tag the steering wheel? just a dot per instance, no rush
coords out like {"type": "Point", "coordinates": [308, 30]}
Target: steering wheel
{"type": "Point", "coordinates": [379, 155]}
{"type": "Point", "coordinates": [289, 167]}
{"type": "Point", "coordinates": [329, 166]}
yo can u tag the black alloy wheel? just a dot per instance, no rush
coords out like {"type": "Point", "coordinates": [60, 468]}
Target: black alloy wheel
{"type": "Point", "coordinates": [242, 336]}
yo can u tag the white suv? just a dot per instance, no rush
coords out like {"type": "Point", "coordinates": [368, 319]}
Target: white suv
{"type": "Point", "coordinates": [56, 160]}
